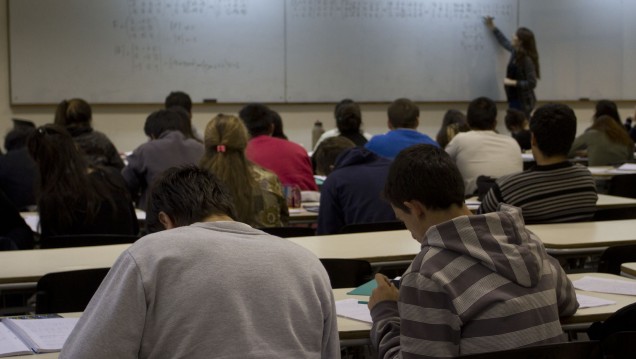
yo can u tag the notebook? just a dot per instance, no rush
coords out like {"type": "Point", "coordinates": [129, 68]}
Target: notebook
{"type": "Point", "coordinates": [25, 336]}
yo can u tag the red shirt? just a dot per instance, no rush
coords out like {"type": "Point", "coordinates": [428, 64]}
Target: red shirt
{"type": "Point", "coordinates": [287, 159]}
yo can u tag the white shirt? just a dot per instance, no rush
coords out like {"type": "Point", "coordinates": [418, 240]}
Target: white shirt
{"type": "Point", "coordinates": [486, 153]}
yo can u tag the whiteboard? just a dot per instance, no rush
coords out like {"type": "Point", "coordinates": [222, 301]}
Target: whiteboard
{"type": "Point", "coordinates": [587, 48]}
{"type": "Point", "coordinates": [137, 51]}
{"type": "Point", "coordinates": [377, 50]}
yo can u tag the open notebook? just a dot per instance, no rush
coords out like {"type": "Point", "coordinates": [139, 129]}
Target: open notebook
{"type": "Point", "coordinates": [25, 336]}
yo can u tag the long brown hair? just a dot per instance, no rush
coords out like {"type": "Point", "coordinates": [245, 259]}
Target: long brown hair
{"type": "Point", "coordinates": [225, 142]}
{"type": "Point", "coordinates": [613, 130]}
{"type": "Point", "coordinates": [528, 47]}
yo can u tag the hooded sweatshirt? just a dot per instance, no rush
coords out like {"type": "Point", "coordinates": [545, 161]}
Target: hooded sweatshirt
{"type": "Point", "coordinates": [481, 283]}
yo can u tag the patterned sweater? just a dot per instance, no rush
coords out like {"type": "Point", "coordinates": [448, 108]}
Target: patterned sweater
{"type": "Point", "coordinates": [481, 283]}
{"type": "Point", "coordinates": [557, 193]}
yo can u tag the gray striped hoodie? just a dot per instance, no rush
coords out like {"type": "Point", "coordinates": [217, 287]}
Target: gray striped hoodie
{"type": "Point", "coordinates": [481, 283]}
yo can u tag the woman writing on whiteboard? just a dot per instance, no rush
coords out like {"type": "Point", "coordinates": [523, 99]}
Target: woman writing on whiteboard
{"type": "Point", "coordinates": [522, 72]}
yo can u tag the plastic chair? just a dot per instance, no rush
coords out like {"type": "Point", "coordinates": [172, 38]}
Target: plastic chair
{"type": "Point", "coordinates": [347, 273]}
{"type": "Point", "coordinates": [612, 258]}
{"type": "Point", "coordinates": [373, 227]}
{"type": "Point", "coordinates": [85, 240]}
{"type": "Point", "coordinates": [70, 291]}
{"type": "Point", "coordinates": [287, 232]}
{"type": "Point", "coordinates": [623, 186]}
{"type": "Point", "coordinates": [569, 350]}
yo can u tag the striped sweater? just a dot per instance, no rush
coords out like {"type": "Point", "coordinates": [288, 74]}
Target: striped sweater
{"type": "Point", "coordinates": [557, 193]}
{"type": "Point", "coordinates": [481, 283]}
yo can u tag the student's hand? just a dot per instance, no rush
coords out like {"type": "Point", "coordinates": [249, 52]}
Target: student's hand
{"type": "Point", "coordinates": [490, 22]}
{"type": "Point", "coordinates": [385, 291]}
{"type": "Point", "coordinates": [510, 82]}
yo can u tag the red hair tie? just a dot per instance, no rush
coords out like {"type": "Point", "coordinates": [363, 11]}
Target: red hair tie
{"type": "Point", "coordinates": [220, 148]}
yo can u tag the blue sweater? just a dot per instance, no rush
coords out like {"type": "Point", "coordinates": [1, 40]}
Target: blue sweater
{"type": "Point", "coordinates": [394, 141]}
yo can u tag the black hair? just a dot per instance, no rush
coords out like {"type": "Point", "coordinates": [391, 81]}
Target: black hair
{"type": "Point", "coordinates": [348, 118]}
{"type": "Point", "coordinates": [554, 129]}
{"type": "Point", "coordinates": [454, 119]}
{"type": "Point", "coordinates": [607, 108]}
{"type": "Point", "coordinates": [514, 120]}
{"type": "Point", "coordinates": [403, 113]}
{"type": "Point", "coordinates": [179, 98]}
{"type": "Point", "coordinates": [427, 174]}
{"type": "Point", "coordinates": [73, 113]}
{"type": "Point", "coordinates": [161, 121]}
{"type": "Point", "coordinates": [187, 194]}
{"type": "Point", "coordinates": [17, 137]}
{"type": "Point", "coordinates": [327, 152]}
{"type": "Point", "coordinates": [278, 126]}
{"type": "Point", "coordinates": [185, 122]}
{"type": "Point", "coordinates": [482, 114]}
{"type": "Point", "coordinates": [258, 119]}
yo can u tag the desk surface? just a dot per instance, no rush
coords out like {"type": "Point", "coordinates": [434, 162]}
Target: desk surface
{"type": "Point", "coordinates": [353, 329]}
{"type": "Point", "coordinates": [597, 234]}
{"type": "Point", "coordinates": [629, 269]}
{"type": "Point", "coordinates": [30, 265]}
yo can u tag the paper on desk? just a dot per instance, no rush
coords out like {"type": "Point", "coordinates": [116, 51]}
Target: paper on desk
{"type": "Point", "coordinates": [604, 285]}
{"type": "Point", "coordinates": [350, 308]}
{"type": "Point", "coordinates": [627, 167]}
{"type": "Point", "coordinates": [586, 301]}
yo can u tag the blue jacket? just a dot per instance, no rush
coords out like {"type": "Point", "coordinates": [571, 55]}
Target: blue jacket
{"type": "Point", "coordinates": [351, 194]}
{"type": "Point", "coordinates": [394, 141]}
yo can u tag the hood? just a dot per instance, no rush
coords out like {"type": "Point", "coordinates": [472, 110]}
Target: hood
{"type": "Point", "coordinates": [498, 240]}
{"type": "Point", "coordinates": [356, 156]}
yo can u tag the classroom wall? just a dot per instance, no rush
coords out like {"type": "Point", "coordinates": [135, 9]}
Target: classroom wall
{"type": "Point", "coordinates": [124, 123]}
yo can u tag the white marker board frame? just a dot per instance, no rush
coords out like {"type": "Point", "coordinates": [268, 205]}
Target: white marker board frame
{"type": "Point", "coordinates": [312, 50]}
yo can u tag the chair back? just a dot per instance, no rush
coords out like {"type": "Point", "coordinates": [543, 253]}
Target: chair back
{"type": "Point", "coordinates": [347, 273]}
{"type": "Point", "coordinates": [569, 350]}
{"type": "Point", "coordinates": [373, 227]}
{"type": "Point", "coordinates": [619, 345]}
{"type": "Point", "coordinates": [70, 291]}
{"type": "Point", "coordinates": [612, 258]}
{"type": "Point", "coordinates": [623, 186]}
{"type": "Point", "coordinates": [85, 240]}
{"type": "Point", "coordinates": [287, 232]}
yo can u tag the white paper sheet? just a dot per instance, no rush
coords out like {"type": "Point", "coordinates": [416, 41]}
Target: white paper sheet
{"type": "Point", "coordinates": [586, 301]}
{"type": "Point", "coordinates": [602, 285]}
{"type": "Point", "coordinates": [350, 308]}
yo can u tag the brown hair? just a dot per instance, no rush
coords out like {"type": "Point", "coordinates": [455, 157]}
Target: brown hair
{"type": "Point", "coordinates": [613, 130]}
{"type": "Point", "coordinates": [527, 47]}
{"type": "Point", "coordinates": [225, 142]}
{"type": "Point", "coordinates": [73, 113]}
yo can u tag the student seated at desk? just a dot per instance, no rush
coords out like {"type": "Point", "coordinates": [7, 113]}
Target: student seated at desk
{"type": "Point", "coordinates": [351, 192]}
{"type": "Point", "coordinates": [257, 193]}
{"type": "Point", "coordinates": [73, 196]}
{"type": "Point", "coordinates": [605, 143]}
{"type": "Point", "coordinates": [480, 283]}
{"type": "Point", "coordinates": [207, 286]}
{"type": "Point", "coordinates": [554, 190]}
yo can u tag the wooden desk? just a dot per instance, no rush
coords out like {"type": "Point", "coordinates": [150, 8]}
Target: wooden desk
{"type": "Point", "coordinates": [585, 237]}
{"type": "Point", "coordinates": [607, 171]}
{"type": "Point", "coordinates": [355, 330]}
{"type": "Point", "coordinates": [628, 270]}
{"type": "Point", "coordinates": [379, 248]}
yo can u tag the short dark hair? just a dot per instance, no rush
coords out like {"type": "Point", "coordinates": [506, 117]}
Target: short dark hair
{"type": "Point", "coordinates": [403, 113]}
{"type": "Point", "coordinates": [179, 98]}
{"type": "Point", "coordinates": [187, 194]}
{"type": "Point", "coordinates": [427, 174]}
{"type": "Point", "coordinates": [554, 128]}
{"type": "Point", "coordinates": [278, 126]}
{"type": "Point", "coordinates": [17, 137]}
{"type": "Point", "coordinates": [348, 118]}
{"type": "Point", "coordinates": [161, 121]}
{"type": "Point", "coordinates": [327, 152]}
{"type": "Point", "coordinates": [514, 119]}
{"type": "Point", "coordinates": [258, 119]}
{"type": "Point", "coordinates": [482, 114]}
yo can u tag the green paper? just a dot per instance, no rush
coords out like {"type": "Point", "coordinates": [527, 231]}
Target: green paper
{"type": "Point", "coordinates": [365, 289]}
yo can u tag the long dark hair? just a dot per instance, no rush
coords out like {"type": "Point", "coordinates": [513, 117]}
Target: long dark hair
{"type": "Point", "coordinates": [614, 131]}
{"type": "Point", "coordinates": [64, 184]}
{"type": "Point", "coordinates": [73, 113]}
{"type": "Point", "coordinates": [528, 47]}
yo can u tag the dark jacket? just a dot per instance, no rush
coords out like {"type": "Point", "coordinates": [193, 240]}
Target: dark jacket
{"type": "Point", "coordinates": [18, 175]}
{"type": "Point", "coordinates": [351, 194]}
